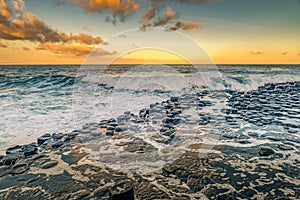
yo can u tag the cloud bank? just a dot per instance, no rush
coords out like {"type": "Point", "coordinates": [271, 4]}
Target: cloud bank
{"type": "Point", "coordinates": [151, 18]}
{"type": "Point", "coordinates": [17, 24]}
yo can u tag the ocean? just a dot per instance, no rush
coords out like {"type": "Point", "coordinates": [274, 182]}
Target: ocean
{"type": "Point", "coordinates": [39, 99]}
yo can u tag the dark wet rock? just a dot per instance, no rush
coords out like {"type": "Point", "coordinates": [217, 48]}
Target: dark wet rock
{"type": "Point", "coordinates": [38, 157]}
{"type": "Point", "coordinates": [57, 136]}
{"type": "Point", "coordinates": [103, 122]}
{"type": "Point", "coordinates": [70, 136]}
{"type": "Point", "coordinates": [293, 139]}
{"type": "Point", "coordinates": [269, 103]}
{"type": "Point", "coordinates": [4, 170]}
{"type": "Point", "coordinates": [293, 131]}
{"type": "Point", "coordinates": [127, 113]}
{"type": "Point", "coordinates": [113, 124]}
{"type": "Point", "coordinates": [243, 141]}
{"type": "Point", "coordinates": [170, 115]}
{"type": "Point", "coordinates": [28, 194]}
{"type": "Point", "coordinates": [285, 147]}
{"type": "Point", "coordinates": [168, 134]}
{"type": "Point", "coordinates": [247, 193]}
{"type": "Point", "coordinates": [103, 126]}
{"type": "Point", "coordinates": [177, 121]}
{"type": "Point", "coordinates": [49, 164]}
{"type": "Point", "coordinates": [15, 150]}
{"type": "Point", "coordinates": [163, 139]}
{"type": "Point", "coordinates": [138, 145]}
{"type": "Point", "coordinates": [168, 169]}
{"type": "Point", "coordinates": [102, 192]}
{"type": "Point", "coordinates": [111, 120]}
{"type": "Point", "coordinates": [120, 129]}
{"type": "Point", "coordinates": [167, 120]}
{"type": "Point", "coordinates": [145, 190]}
{"type": "Point", "coordinates": [123, 118]}
{"type": "Point", "coordinates": [274, 138]}
{"type": "Point", "coordinates": [39, 162]}
{"type": "Point", "coordinates": [109, 133]}
{"type": "Point", "coordinates": [174, 99]}
{"type": "Point", "coordinates": [81, 194]}
{"type": "Point", "coordinates": [30, 149]}
{"type": "Point", "coordinates": [190, 168]}
{"type": "Point", "coordinates": [229, 136]}
{"type": "Point", "coordinates": [164, 129]}
{"type": "Point", "coordinates": [167, 125]}
{"type": "Point", "coordinates": [43, 139]}
{"type": "Point", "coordinates": [216, 192]}
{"type": "Point", "coordinates": [19, 168]}
{"type": "Point", "coordinates": [110, 128]}
{"type": "Point", "coordinates": [10, 159]}
{"type": "Point", "coordinates": [57, 144]}
{"type": "Point", "coordinates": [265, 151]}
{"type": "Point", "coordinates": [122, 190]}
{"type": "Point", "coordinates": [16, 180]}
{"type": "Point", "coordinates": [58, 185]}
{"type": "Point", "coordinates": [253, 134]}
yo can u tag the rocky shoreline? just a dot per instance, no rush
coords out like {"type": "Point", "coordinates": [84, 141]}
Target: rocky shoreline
{"type": "Point", "coordinates": [255, 155]}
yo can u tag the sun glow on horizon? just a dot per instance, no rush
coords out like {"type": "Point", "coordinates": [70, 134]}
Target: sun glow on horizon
{"type": "Point", "coordinates": [150, 56]}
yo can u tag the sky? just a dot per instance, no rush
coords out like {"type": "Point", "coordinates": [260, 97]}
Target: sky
{"type": "Point", "coordinates": [227, 31]}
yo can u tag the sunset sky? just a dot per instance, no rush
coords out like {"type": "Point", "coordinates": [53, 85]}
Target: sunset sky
{"type": "Point", "coordinates": [230, 31]}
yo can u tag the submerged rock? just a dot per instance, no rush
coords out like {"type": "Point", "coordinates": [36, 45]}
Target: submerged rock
{"type": "Point", "coordinates": [43, 139]}
{"type": "Point", "coordinates": [265, 151]}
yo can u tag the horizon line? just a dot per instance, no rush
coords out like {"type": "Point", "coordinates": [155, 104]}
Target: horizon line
{"type": "Point", "coordinates": [68, 64]}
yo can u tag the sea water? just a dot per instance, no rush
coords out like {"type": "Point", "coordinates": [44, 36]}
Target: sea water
{"type": "Point", "coordinates": [39, 99]}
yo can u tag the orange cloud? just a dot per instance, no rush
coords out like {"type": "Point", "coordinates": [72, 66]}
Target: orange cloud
{"type": "Point", "coordinates": [185, 25]}
{"type": "Point", "coordinates": [147, 20]}
{"type": "Point", "coordinates": [169, 15]}
{"type": "Point", "coordinates": [256, 52]}
{"type": "Point", "coordinates": [81, 38]}
{"type": "Point", "coordinates": [75, 49]}
{"type": "Point", "coordinates": [5, 12]}
{"type": "Point", "coordinates": [149, 15]}
{"type": "Point", "coordinates": [27, 27]}
{"type": "Point", "coordinates": [120, 8]}
{"type": "Point", "coordinates": [19, 5]}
